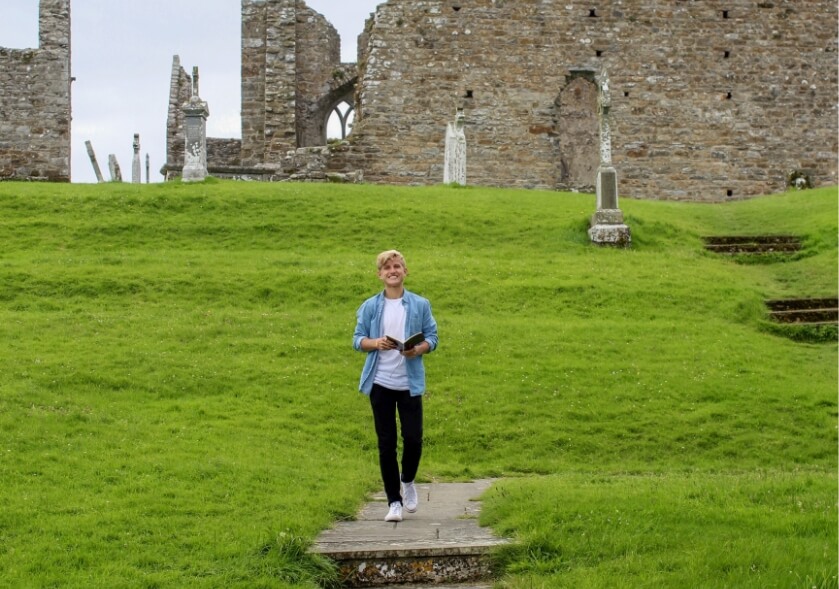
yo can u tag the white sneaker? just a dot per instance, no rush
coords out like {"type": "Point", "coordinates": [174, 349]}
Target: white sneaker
{"type": "Point", "coordinates": [394, 514]}
{"type": "Point", "coordinates": [409, 496]}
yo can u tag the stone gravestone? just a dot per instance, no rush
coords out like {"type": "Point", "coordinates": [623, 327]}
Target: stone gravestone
{"type": "Point", "coordinates": [136, 170]}
{"type": "Point", "coordinates": [195, 129]}
{"type": "Point", "coordinates": [454, 171]}
{"type": "Point", "coordinates": [92, 155]}
{"type": "Point", "coordinates": [607, 226]}
{"type": "Point", "coordinates": [113, 166]}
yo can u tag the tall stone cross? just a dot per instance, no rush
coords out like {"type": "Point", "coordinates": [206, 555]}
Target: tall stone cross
{"type": "Point", "coordinates": [195, 92]}
{"type": "Point", "coordinates": [607, 225]}
{"type": "Point", "coordinates": [607, 178]}
{"type": "Point", "coordinates": [195, 129]}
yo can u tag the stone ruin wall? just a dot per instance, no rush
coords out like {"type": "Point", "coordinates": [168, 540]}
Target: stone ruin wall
{"type": "Point", "coordinates": [710, 99]}
{"type": "Point", "coordinates": [290, 54]}
{"type": "Point", "coordinates": [35, 113]}
{"type": "Point", "coordinates": [318, 59]}
{"type": "Point", "coordinates": [180, 91]}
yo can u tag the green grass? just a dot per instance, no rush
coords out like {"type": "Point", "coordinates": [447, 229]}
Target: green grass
{"type": "Point", "coordinates": [747, 529]}
{"type": "Point", "coordinates": [178, 402]}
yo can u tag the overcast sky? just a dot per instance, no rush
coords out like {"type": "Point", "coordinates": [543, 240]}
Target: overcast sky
{"type": "Point", "coordinates": [122, 59]}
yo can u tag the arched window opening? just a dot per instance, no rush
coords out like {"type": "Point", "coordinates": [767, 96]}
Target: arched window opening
{"type": "Point", "coordinates": [340, 122]}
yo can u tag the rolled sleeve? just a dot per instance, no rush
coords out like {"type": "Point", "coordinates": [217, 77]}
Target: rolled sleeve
{"type": "Point", "coordinates": [429, 327]}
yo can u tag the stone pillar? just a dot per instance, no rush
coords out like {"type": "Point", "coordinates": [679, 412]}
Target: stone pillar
{"type": "Point", "coordinates": [195, 129]}
{"type": "Point", "coordinates": [148, 164]}
{"type": "Point", "coordinates": [136, 170]}
{"type": "Point", "coordinates": [454, 169]}
{"type": "Point", "coordinates": [607, 226]}
{"type": "Point", "coordinates": [92, 155]}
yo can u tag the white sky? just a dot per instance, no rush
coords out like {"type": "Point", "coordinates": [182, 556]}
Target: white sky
{"type": "Point", "coordinates": [122, 59]}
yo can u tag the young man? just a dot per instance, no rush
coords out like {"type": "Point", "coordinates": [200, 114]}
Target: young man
{"type": "Point", "coordinates": [393, 379]}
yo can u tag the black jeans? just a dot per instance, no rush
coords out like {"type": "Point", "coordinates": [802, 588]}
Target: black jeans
{"type": "Point", "coordinates": [386, 403]}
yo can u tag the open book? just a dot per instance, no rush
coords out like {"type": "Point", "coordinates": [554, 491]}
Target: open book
{"type": "Point", "coordinates": [408, 343]}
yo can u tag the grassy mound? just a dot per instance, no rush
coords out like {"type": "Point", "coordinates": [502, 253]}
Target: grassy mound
{"type": "Point", "coordinates": [178, 402]}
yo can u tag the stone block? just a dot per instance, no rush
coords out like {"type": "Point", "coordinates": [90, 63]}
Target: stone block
{"type": "Point", "coordinates": [607, 188]}
{"type": "Point", "coordinates": [607, 217]}
{"type": "Point", "coordinates": [612, 235]}
{"type": "Point", "coordinates": [35, 100]}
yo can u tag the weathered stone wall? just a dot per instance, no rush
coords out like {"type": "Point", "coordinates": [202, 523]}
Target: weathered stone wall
{"type": "Point", "coordinates": [318, 60]}
{"type": "Point", "coordinates": [268, 63]}
{"type": "Point", "coordinates": [226, 152]}
{"type": "Point", "coordinates": [289, 56]}
{"type": "Point", "coordinates": [710, 100]}
{"type": "Point", "coordinates": [180, 91]}
{"type": "Point", "coordinates": [35, 102]}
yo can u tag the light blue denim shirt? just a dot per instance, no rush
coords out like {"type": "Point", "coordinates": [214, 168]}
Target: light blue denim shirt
{"type": "Point", "coordinates": [418, 317]}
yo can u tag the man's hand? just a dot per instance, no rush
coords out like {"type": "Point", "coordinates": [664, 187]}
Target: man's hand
{"type": "Point", "coordinates": [418, 350]}
{"type": "Point", "coordinates": [383, 344]}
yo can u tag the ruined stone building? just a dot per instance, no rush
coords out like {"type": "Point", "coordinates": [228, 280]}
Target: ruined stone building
{"type": "Point", "coordinates": [711, 99]}
{"type": "Point", "coordinates": [35, 101]}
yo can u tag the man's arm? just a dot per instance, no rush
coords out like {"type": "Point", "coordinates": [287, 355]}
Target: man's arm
{"type": "Point", "coordinates": [362, 341]}
{"type": "Point", "coordinates": [429, 329]}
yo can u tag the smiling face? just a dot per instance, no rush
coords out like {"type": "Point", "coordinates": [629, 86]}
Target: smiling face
{"type": "Point", "coordinates": [392, 272]}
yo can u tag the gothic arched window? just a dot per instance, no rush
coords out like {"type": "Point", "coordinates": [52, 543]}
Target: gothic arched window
{"type": "Point", "coordinates": [339, 124]}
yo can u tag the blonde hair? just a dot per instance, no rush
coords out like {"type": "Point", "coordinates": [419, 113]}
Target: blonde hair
{"type": "Point", "coordinates": [385, 256]}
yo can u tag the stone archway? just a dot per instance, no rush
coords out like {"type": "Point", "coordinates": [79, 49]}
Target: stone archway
{"type": "Point", "coordinates": [578, 132]}
{"type": "Point", "coordinates": [314, 131]}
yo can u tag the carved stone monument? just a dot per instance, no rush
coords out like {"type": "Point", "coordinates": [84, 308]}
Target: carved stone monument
{"type": "Point", "coordinates": [454, 171]}
{"type": "Point", "coordinates": [607, 226]}
{"type": "Point", "coordinates": [195, 129]}
{"type": "Point", "coordinates": [136, 170]}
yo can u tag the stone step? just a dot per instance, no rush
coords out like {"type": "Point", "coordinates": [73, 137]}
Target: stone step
{"type": "Point", "coordinates": [804, 311]}
{"type": "Point", "coordinates": [752, 244]}
{"type": "Point", "coordinates": [447, 586]}
{"type": "Point", "coordinates": [440, 543]}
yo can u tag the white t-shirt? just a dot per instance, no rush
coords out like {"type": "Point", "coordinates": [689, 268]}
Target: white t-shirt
{"type": "Point", "coordinates": [391, 372]}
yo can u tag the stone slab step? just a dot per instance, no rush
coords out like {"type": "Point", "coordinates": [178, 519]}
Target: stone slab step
{"type": "Point", "coordinates": [458, 586]}
{"type": "Point", "coordinates": [752, 244]}
{"type": "Point", "coordinates": [440, 543]}
{"type": "Point", "coordinates": [804, 311]}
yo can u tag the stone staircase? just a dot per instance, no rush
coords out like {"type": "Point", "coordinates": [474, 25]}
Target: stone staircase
{"type": "Point", "coordinates": [441, 545]}
{"type": "Point", "coordinates": [810, 311]}
{"type": "Point", "coordinates": [804, 311]}
{"type": "Point", "coordinates": [752, 244]}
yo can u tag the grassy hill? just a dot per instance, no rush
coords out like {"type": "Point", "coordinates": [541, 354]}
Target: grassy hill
{"type": "Point", "coordinates": [178, 402]}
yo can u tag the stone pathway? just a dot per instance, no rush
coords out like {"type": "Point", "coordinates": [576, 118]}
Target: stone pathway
{"type": "Point", "coordinates": [440, 543]}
